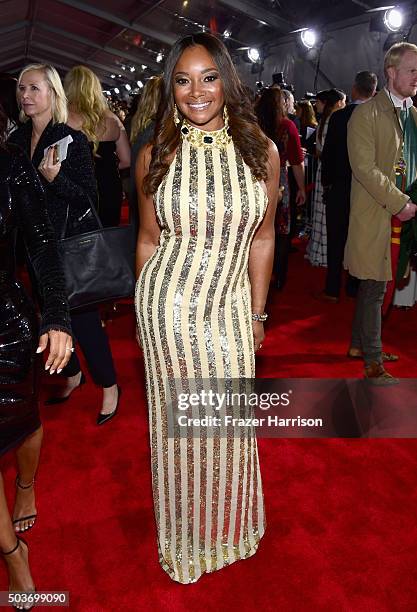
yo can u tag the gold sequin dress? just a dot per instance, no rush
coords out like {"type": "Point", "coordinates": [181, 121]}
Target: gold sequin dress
{"type": "Point", "coordinates": [193, 306]}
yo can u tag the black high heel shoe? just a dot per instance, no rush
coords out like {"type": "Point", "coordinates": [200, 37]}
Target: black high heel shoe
{"type": "Point", "coordinates": [102, 418]}
{"type": "Point", "coordinates": [29, 517]}
{"type": "Point", "coordinates": [19, 606]}
{"type": "Point", "coordinates": [60, 400]}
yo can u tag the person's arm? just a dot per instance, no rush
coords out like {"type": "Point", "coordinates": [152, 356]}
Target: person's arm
{"type": "Point", "coordinates": [296, 161]}
{"type": "Point", "coordinates": [361, 148]}
{"type": "Point", "coordinates": [298, 171]}
{"type": "Point", "coordinates": [39, 236]}
{"type": "Point", "coordinates": [75, 179]}
{"type": "Point", "coordinates": [122, 145]}
{"type": "Point", "coordinates": [261, 255]}
{"type": "Point", "coordinates": [149, 230]}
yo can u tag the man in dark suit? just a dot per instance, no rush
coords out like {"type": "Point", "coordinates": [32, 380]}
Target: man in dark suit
{"type": "Point", "coordinates": [336, 175]}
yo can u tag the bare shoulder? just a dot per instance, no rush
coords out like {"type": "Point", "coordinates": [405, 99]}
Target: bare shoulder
{"type": "Point", "coordinates": [74, 120]}
{"type": "Point", "coordinates": [112, 120]}
{"type": "Point", "coordinates": [273, 156]}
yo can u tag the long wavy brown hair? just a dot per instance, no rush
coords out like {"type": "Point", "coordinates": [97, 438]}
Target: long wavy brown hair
{"type": "Point", "coordinates": [268, 109]}
{"type": "Point", "coordinates": [247, 136]}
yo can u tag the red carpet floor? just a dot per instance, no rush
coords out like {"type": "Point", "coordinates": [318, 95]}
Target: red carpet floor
{"type": "Point", "coordinates": [341, 514]}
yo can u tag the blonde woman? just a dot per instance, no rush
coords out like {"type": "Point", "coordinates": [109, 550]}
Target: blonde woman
{"type": "Point", "coordinates": [70, 188]}
{"type": "Point", "coordinates": [147, 108]}
{"type": "Point", "coordinates": [89, 112]}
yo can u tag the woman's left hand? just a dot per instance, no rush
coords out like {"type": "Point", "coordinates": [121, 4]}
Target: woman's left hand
{"type": "Point", "coordinates": [258, 334]}
{"type": "Point", "coordinates": [60, 349]}
{"type": "Point", "coordinates": [48, 168]}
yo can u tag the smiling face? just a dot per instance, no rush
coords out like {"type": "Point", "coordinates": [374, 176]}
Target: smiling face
{"type": "Point", "coordinates": [198, 89]}
{"type": "Point", "coordinates": [34, 94]}
{"type": "Point", "coordinates": [402, 79]}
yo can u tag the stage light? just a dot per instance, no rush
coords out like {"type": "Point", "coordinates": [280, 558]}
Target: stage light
{"type": "Point", "coordinates": [132, 69]}
{"type": "Point", "coordinates": [159, 57]}
{"type": "Point", "coordinates": [116, 90]}
{"type": "Point", "coordinates": [144, 66]}
{"type": "Point", "coordinates": [227, 33]}
{"type": "Point", "coordinates": [393, 20]}
{"type": "Point", "coordinates": [128, 87]}
{"type": "Point", "coordinates": [254, 54]}
{"type": "Point", "coordinates": [309, 38]}
{"type": "Point", "coordinates": [140, 84]}
{"type": "Point", "coordinates": [112, 76]}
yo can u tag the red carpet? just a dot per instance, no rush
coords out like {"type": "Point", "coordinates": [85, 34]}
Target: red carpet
{"type": "Point", "coordinates": [341, 514]}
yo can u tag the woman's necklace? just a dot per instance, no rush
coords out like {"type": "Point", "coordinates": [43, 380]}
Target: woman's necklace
{"type": "Point", "coordinates": [199, 138]}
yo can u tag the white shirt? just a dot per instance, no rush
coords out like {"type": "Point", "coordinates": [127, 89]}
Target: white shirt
{"type": "Point", "coordinates": [398, 102]}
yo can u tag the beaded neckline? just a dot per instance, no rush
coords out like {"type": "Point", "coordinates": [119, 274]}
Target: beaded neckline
{"type": "Point", "coordinates": [199, 138]}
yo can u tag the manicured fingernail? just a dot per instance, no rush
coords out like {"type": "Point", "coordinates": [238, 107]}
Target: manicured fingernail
{"type": "Point", "coordinates": [39, 349]}
{"type": "Point", "coordinates": [47, 367]}
{"type": "Point", "coordinates": [52, 371]}
{"type": "Point", "coordinates": [59, 371]}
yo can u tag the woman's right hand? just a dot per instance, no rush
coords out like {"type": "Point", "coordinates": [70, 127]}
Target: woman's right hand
{"type": "Point", "coordinates": [48, 168]}
{"type": "Point", "coordinates": [60, 349]}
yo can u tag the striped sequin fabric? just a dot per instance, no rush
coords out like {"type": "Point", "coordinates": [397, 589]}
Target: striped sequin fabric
{"type": "Point", "coordinates": [193, 307]}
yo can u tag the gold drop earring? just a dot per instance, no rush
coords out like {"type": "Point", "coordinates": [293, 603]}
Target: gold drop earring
{"type": "Point", "coordinates": [177, 119]}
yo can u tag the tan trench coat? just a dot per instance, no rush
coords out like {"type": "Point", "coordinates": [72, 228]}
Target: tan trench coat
{"type": "Point", "coordinates": [374, 144]}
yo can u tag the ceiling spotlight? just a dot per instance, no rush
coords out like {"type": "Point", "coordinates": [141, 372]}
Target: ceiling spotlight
{"type": "Point", "coordinates": [116, 90]}
{"type": "Point", "coordinates": [159, 57]}
{"type": "Point", "coordinates": [140, 84]}
{"type": "Point", "coordinates": [128, 87]}
{"type": "Point", "coordinates": [393, 19]}
{"type": "Point", "coordinates": [309, 38]}
{"type": "Point", "coordinates": [144, 66]}
{"type": "Point", "coordinates": [254, 54]}
{"type": "Point", "coordinates": [112, 76]}
{"type": "Point", "coordinates": [132, 69]}
{"type": "Point", "coordinates": [227, 33]}
{"type": "Point", "coordinates": [120, 76]}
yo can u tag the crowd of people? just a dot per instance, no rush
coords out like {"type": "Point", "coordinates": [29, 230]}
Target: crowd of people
{"type": "Point", "coordinates": [216, 178]}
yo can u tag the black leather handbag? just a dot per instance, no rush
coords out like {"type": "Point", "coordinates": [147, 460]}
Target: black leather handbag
{"type": "Point", "coordinates": [99, 264]}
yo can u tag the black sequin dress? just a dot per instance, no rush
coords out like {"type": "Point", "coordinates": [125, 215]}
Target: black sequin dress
{"type": "Point", "coordinates": [109, 183]}
{"type": "Point", "coordinates": [22, 206]}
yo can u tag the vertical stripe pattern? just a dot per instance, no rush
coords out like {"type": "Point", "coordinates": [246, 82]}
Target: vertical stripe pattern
{"type": "Point", "coordinates": [193, 308]}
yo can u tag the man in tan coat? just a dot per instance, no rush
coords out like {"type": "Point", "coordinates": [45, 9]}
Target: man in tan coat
{"type": "Point", "coordinates": [375, 144]}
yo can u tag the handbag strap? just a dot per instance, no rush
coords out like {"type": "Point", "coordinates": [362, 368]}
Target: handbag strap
{"type": "Point", "coordinates": [94, 212]}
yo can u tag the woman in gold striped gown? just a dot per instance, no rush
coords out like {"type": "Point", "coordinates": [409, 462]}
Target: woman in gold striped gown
{"type": "Point", "coordinates": [208, 187]}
